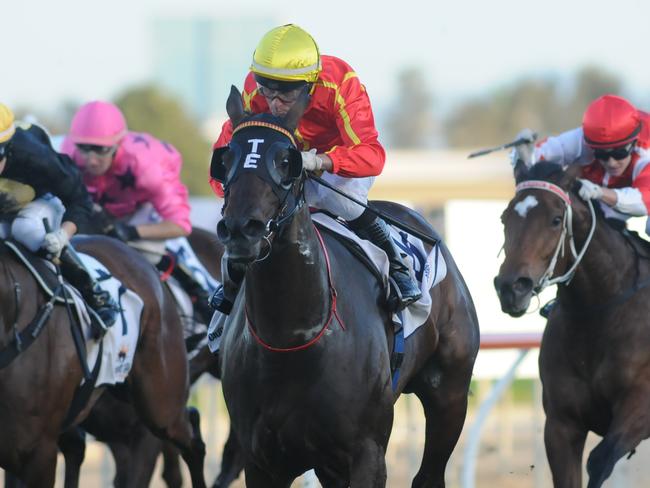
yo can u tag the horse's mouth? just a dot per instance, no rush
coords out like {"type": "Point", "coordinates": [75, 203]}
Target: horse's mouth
{"type": "Point", "coordinates": [243, 254]}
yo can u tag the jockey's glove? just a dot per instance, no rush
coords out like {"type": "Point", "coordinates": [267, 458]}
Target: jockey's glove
{"type": "Point", "coordinates": [524, 152]}
{"type": "Point", "coordinates": [54, 242]}
{"type": "Point", "coordinates": [311, 161]}
{"type": "Point", "coordinates": [590, 190]}
{"type": "Point", "coordinates": [124, 232]}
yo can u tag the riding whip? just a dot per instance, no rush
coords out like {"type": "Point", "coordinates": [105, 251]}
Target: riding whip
{"type": "Point", "coordinates": [516, 142]}
{"type": "Point", "coordinates": [400, 225]}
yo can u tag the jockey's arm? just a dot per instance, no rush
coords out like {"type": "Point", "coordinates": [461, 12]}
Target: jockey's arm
{"type": "Point", "coordinates": [161, 230]}
{"type": "Point", "coordinates": [609, 196]}
{"type": "Point", "coordinates": [69, 227]}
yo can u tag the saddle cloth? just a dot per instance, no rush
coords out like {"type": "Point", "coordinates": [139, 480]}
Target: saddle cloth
{"type": "Point", "coordinates": [428, 269]}
{"type": "Point", "coordinates": [121, 339]}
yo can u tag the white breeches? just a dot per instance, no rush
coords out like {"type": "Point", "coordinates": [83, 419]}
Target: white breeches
{"type": "Point", "coordinates": [320, 197]}
{"type": "Point", "coordinates": [28, 228]}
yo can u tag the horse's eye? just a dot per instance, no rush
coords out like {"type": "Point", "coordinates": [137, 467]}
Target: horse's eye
{"type": "Point", "coordinates": [557, 221]}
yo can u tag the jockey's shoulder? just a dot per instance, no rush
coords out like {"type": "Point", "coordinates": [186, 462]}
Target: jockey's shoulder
{"type": "Point", "coordinates": [335, 70]}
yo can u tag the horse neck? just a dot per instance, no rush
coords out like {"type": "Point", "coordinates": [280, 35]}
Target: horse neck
{"type": "Point", "coordinates": [608, 266]}
{"type": "Point", "coordinates": [288, 293]}
{"type": "Point", "coordinates": [8, 311]}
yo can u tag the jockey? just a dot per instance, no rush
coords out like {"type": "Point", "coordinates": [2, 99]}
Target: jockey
{"type": "Point", "coordinates": [38, 184]}
{"type": "Point", "coordinates": [135, 178]}
{"type": "Point", "coordinates": [337, 135]}
{"type": "Point", "coordinates": [613, 148]}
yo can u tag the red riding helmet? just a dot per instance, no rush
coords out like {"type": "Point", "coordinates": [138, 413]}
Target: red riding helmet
{"type": "Point", "coordinates": [610, 121]}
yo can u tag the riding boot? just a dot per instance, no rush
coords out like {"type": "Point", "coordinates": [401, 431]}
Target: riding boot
{"type": "Point", "coordinates": [76, 273]}
{"type": "Point", "coordinates": [224, 296]}
{"type": "Point", "coordinates": [200, 298]}
{"type": "Point", "coordinates": [376, 231]}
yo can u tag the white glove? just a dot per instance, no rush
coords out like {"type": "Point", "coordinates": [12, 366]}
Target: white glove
{"type": "Point", "coordinates": [589, 190]}
{"type": "Point", "coordinates": [310, 161]}
{"type": "Point", "coordinates": [54, 242]}
{"type": "Point", "coordinates": [524, 152]}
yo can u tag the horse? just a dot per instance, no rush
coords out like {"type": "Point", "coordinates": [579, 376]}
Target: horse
{"type": "Point", "coordinates": [114, 421]}
{"type": "Point", "coordinates": [593, 362]}
{"type": "Point", "coordinates": [37, 387]}
{"type": "Point", "coordinates": [306, 353]}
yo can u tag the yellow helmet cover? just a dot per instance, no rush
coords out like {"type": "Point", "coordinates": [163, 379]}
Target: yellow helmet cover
{"type": "Point", "coordinates": [7, 126]}
{"type": "Point", "coordinates": [287, 53]}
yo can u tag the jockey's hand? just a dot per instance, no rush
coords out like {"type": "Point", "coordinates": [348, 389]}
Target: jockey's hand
{"type": "Point", "coordinates": [311, 161]}
{"type": "Point", "coordinates": [524, 152]}
{"type": "Point", "coordinates": [590, 190]}
{"type": "Point", "coordinates": [54, 242]}
{"type": "Point", "coordinates": [123, 232]}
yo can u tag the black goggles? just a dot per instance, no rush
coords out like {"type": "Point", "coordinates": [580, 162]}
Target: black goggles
{"type": "Point", "coordinates": [93, 148]}
{"type": "Point", "coordinates": [617, 153]}
{"type": "Point", "coordinates": [3, 150]}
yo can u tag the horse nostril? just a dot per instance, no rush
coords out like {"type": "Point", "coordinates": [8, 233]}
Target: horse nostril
{"type": "Point", "coordinates": [254, 229]}
{"type": "Point", "coordinates": [522, 286]}
{"type": "Point", "coordinates": [223, 233]}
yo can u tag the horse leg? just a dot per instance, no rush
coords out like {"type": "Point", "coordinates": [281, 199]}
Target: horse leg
{"type": "Point", "coordinates": [72, 444]}
{"type": "Point", "coordinates": [443, 393]}
{"type": "Point", "coordinates": [171, 468]}
{"type": "Point", "coordinates": [39, 471]}
{"type": "Point", "coordinates": [627, 430]}
{"type": "Point", "coordinates": [232, 462]}
{"type": "Point", "coordinates": [368, 465]}
{"type": "Point", "coordinates": [564, 443]}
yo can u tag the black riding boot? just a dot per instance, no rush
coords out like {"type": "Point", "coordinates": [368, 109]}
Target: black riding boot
{"type": "Point", "coordinates": [200, 298]}
{"type": "Point", "coordinates": [99, 300]}
{"type": "Point", "coordinates": [375, 230]}
{"type": "Point", "coordinates": [224, 297]}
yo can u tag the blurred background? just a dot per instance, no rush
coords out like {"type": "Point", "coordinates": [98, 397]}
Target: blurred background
{"type": "Point", "coordinates": [445, 78]}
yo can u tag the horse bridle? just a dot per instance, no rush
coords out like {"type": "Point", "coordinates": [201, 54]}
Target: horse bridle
{"type": "Point", "coordinates": [567, 231]}
{"type": "Point", "coordinates": [291, 198]}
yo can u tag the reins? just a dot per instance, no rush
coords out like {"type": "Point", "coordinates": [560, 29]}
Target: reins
{"type": "Point", "coordinates": [567, 232]}
{"type": "Point", "coordinates": [332, 311]}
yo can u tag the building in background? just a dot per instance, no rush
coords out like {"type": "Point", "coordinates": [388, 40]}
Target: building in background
{"type": "Point", "coordinates": [196, 59]}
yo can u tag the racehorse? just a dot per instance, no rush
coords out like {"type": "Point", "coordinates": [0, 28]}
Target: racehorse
{"type": "Point", "coordinates": [306, 356]}
{"type": "Point", "coordinates": [115, 422]}
{"type": "Point", "coordinates": [37, 387]}
{"type": "Point", "coordinates": [593, 362]}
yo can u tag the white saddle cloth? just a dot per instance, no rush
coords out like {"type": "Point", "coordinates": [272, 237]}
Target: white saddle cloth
{"type": "Point", "coordinates": [121, 338]}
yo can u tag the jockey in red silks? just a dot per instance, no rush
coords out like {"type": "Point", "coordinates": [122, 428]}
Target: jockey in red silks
{"type": "Point", "coordinates": [135, 178]}
{"type": "Point", "coordinates": [613, 148]}
{"type": "Point", "coordinates": [337, 135]}
{"type": "Point", "coordinates": [39, 185]}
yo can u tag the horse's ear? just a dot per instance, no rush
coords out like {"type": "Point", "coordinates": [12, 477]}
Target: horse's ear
{"type": "Point", "coordinates": [570, 175]}
{"type": "Point", "coordinates": [235, 106]}
{"type": "Point", "coordinates": [295, 113]}
{"type": "Point", "coordinates": [520, 171]}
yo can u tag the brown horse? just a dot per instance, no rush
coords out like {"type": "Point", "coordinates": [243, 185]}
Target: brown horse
{"type": "Point", "coordinates": [594, 361]}
{"type": "Point", "coordinates": [306, 358]}
{"type": "Point", "coordinates": [36, 389]}
{"type": "Point", "coordinates": [115, 422]}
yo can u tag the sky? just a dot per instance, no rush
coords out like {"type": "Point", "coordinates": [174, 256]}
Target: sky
{"type": "Point", "coordinates": [86, 49]}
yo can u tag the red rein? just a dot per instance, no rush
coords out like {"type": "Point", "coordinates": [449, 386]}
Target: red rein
{"type": "Point", "coordinates": [333, 313]}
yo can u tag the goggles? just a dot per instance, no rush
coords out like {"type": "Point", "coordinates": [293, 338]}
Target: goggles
{"type": "Point", "coordinates": [289, 96]}
{"type": "Point", "coordinates": [617, 153]}
{"type": "Point", "coordinates": [3, 150]}
{"type": "Point", "coordinates": [93, 148]}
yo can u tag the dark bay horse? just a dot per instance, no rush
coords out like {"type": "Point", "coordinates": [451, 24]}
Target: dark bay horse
{"type": "Point", "coordinates": [36, 389]}
{"type": "Point", "coordinates": [115, 422]}
{"type": "Point", "coordinates": [594, 361]}
{"type": "Point", "coordinates": [305, 361]}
